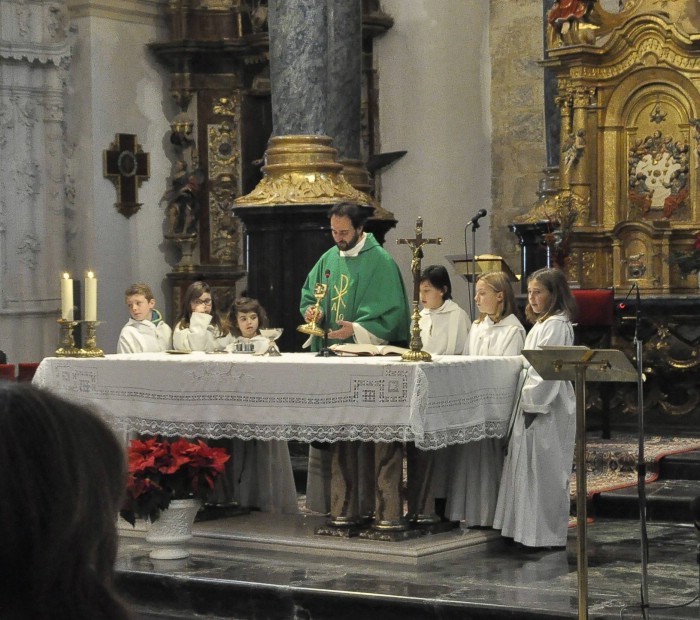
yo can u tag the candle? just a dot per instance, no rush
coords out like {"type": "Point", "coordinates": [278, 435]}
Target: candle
{"type": "Point", "coordinates": [66, 297]}
{"type": "Point", "coordinates": [90, 297]}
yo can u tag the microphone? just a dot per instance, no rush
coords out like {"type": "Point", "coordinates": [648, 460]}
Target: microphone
{"type": "Point", "coordinates": [479, 214]}
{"type": "Point", "coordinates": [474, 222]}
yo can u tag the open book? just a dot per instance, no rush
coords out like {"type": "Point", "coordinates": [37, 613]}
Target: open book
{"type": "Point", "coordinates": [350, 348]}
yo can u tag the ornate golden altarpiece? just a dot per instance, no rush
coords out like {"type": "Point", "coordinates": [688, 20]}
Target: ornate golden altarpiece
{"type": "Point", "coordinates": [628, 88]}
{"type": "Point", "coordinates": [626, 202]}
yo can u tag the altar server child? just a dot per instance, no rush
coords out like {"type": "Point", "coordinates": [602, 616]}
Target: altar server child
{"type": "Point", "coordinates": [262, 469]}
{"type": "Point", "coordinates": [145, 332]}
{"type": "Point", "coordinates": [444, 330]}
{"type": "Point", "coordinates": [476, 467]}
{"type": "Point", "coordinates": [200, 327]}
{"type": "Point", "coordinates": [443, 324]}
{"type": "Point", "coordinates": [247, 317]}
{"type": "Point", "coordinates": [533, 501]}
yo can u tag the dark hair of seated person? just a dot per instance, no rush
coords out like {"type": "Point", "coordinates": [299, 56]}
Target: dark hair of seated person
{"type": "Point", "coordinates": [63, 476]}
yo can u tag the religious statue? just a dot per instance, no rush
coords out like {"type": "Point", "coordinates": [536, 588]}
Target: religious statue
{"type": "Point", "coordinates": [183, 201]}
{"type": "Point", "coordinates": [573, 148]}
{"type": "Point", "coordinates": [569, 24]}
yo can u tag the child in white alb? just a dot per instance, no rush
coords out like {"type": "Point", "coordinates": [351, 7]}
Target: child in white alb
{"type": "Point", "coordinates": [444, 330]}
{"type": "Point", "coordinates": [444, 326]}
{"type": "Point", "coordinates": [262, 470]}
{"type": "Point", "coordinates": [145, 332]}
{"type": "Point", "coordinates": [533, 501]}
{"type": "Point", "coordinates": [248, 316]}
{"type": "Point", "coordinates": [200, 328]}
{"type": "Point", "coordinates": [476, 466]}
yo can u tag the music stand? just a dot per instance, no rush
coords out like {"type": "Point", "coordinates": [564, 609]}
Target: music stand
{"type": "Point", "coordinates": [466, 266]}
{"type": "Point", "coordinates": [581, 364]}
{"type": "Point", "coordinates": [471, 267]}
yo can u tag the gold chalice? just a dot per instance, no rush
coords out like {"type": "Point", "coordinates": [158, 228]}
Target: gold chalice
{"type": "Point", "coordinates": [311, 328]}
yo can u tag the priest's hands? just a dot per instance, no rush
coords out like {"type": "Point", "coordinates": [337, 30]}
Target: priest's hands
{"type": "Point", "coordinates": [312, 314]}
{"type": "Point", "coordinates": [346, 331]}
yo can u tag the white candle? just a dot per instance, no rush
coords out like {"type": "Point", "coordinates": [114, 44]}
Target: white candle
{"type": "Point", "coordinates": [66, 297]}
{"type": "Point", "coordinates": [90, 297]}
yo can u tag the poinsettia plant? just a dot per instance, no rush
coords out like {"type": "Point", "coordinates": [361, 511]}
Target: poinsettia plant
{"type": "Point", "coordinates": [161, 470]}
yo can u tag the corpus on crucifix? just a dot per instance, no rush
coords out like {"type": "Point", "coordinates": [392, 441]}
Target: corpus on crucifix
{"type": "Point", "coordinates": [415, 352]}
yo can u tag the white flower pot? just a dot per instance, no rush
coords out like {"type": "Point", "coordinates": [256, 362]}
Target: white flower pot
{"type": "Point", "coordinates": [171, 532]}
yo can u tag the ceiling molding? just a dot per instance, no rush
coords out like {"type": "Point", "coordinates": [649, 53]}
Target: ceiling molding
{"type": "Point", "coordinates": [136, 11]}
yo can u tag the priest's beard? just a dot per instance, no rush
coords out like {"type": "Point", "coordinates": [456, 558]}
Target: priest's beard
{"type": "Point", "coordinates": [344, 246]}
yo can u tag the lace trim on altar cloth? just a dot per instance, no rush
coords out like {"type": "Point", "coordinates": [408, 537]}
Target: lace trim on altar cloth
{"type": "Point", "coordinates": [306, 434]}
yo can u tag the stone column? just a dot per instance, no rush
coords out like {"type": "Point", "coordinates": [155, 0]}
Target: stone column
{"type": "Point", "coordinates": [301, 167]}
{"type": "Point", "coordinates": [343, 112]}
{"type": "Point", "coordinates": [298, 66]}
{"type": "Point", "coordinates": [552, 126]}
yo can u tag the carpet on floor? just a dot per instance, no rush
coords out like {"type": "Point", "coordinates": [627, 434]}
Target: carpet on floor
{"type": "Point", "coordinates": [612, 463]}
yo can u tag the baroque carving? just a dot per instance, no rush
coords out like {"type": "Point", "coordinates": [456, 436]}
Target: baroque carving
{"type": "Point", "coordinates": [226, 228]}
{"type": "Point", "coordinates": [658, 171]}
{"type": "Point", "coordinates": [302, 188]}
{"type": "Point", "coordinates": [222, 140]}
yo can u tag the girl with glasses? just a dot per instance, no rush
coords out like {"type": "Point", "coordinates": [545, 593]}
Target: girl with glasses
{"type": "Point", "coordinates": [200, 327]}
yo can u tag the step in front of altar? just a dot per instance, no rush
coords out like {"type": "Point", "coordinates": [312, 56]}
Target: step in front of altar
{"type": "Point", "coordinates": [294, 534]}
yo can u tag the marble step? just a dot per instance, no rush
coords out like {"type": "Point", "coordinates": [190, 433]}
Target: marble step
{"type": "Point", "coordinates": [685, 466]}
{"type": "Point", "coordinates": [667, 499]}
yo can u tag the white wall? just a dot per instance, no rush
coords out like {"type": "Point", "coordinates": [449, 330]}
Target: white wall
{"type": "Point", "coordinates": [434, 101]}
{"type": "Point", "coordinates": [118, 87]}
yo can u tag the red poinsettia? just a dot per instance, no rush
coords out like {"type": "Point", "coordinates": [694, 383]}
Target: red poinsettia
{"type": "Point", "coordinates": [161, 470]}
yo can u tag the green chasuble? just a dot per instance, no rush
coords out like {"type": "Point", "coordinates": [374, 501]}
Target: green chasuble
{"type": "Point", "coordinates": [365, 289]}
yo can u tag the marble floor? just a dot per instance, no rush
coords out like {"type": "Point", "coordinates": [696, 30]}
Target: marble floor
{"type": "Point", "coordinates": [285, 572]}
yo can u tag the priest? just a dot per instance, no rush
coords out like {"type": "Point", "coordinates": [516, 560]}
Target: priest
{"type": "Point", "coordinates": [366, 303]}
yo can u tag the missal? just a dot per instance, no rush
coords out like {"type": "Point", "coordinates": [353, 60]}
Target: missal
{"type": "Point", "coordinates": [351, 348]}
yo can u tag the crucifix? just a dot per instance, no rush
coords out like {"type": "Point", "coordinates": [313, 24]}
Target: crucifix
{"type": "Point", "coordinates": [126, 165]}
{"type": "Point", "coordinates": [415, 354]}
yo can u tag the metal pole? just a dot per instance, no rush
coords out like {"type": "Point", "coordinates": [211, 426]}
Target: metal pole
{"type": "Point", "coordinates": [641, 480]}
{"type": "Point", "coordinates": [581, 551]}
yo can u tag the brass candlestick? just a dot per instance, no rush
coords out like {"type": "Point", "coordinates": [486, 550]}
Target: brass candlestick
{"type": "Point", "coordinates": [311, 328]}
{"type": "Point", "coordinates": [415, 352]}
{"type": "Point", "coordinates": [91, 349]}
{"type": "Point", "coordinates": [67, 341]}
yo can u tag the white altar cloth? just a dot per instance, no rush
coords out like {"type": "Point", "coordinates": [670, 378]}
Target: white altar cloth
{"type": "Point", "coordinates": [297, 396]}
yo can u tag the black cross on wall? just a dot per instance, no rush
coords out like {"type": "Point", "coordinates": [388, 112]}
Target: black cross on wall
{"type": "Point", "coordinates": [126, 165]}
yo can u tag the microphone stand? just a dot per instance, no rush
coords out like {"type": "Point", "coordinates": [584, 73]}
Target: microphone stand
{"type": "Point", "coordinates": [325, 350]}
{"type": "Point", "coordinates": [471, 282]}
{"type": "Point", "coordinates": [641, 465]}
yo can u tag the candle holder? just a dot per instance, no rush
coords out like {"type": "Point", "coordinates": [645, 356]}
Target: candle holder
{"type": "Point", "coordinates": [67, 341]}
{"type": "Point", "coordinates": [415, 352]}
{"type": "Point", "coordinates": [91, 349]}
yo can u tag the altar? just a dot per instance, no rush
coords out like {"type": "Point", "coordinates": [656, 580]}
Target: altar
{"type": "Point", "coordinates": [297, 396]}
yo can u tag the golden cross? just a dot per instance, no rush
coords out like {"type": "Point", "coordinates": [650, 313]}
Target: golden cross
{"type": "Point", "coordinates": [416, 245]}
